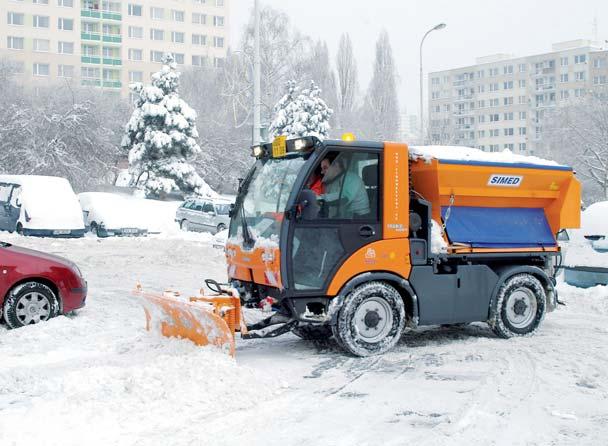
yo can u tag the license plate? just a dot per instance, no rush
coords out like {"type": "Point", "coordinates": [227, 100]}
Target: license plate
{"type": "Point", "coordinates": [129, 231]}
{"type": "Point", "coordinates": [61, 232]}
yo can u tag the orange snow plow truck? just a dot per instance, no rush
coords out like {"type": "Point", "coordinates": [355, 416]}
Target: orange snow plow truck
{"type": "Point", "coordinates": [359, 240]}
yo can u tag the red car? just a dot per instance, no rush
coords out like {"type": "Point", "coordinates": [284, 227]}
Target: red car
{"type": "Point", "coordinates": [35, 286]}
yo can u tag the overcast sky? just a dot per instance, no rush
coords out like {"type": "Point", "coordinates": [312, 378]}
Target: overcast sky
{"type": "Point", "coordinates": [474, 28]}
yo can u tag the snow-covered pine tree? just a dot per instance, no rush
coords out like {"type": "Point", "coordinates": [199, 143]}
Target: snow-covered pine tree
{"type": "Point", "coordinates": [283, 111]}
{"type": "Point", "coordinates": [161, 137]}
{"type": "Point", "coordinates": [303, 115]}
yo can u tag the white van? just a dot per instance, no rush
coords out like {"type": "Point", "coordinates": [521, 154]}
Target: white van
{"type": "Point", "coordinates": [39, 206]}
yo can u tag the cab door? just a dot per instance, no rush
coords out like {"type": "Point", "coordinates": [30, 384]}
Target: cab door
{"type": "Point", "coordinates": [339, 218]}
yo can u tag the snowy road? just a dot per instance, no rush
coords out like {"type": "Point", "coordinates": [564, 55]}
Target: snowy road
{"type": "Point", "coordinates": [99, 378]}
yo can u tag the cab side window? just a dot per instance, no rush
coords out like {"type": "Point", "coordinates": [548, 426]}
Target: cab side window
{"type": "Point", "coordinates": [5, 192]}
{"type": "Point", "coordinates": [349, 185]}
{"type": "Point", "coordinates": [208, 207]}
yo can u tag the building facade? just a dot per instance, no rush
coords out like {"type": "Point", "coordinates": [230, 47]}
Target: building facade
{"type": "Point", "coordinates": [108, 44]}
{"type": "Point", "coordinates": [499, 103]}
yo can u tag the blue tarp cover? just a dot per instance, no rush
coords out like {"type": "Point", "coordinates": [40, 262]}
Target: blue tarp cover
{"type": "Point", "coordinates": [499, 227]}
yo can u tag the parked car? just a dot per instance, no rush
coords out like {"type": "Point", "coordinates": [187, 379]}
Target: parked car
{"type": "Point", "coordinates": [219, 239]}
{"type": "Point", "coordinates": [39, 206]}
{"type": "Point", "coordinates": [203, 215]}
{"type": "Point", "coordinates": [107, 214]}
{"type": "Point", "coordinates": [586, 263]}
{"type": "Point", "coordinates": [35, 286]}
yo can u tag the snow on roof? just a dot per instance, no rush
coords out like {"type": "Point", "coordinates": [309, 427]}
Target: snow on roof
{"type": "Point", "coordinates": [460, 153]}
{"type": "Point", "coordinates": [33, 179]}
{"type": "Point", "coordinates": [594, 219]}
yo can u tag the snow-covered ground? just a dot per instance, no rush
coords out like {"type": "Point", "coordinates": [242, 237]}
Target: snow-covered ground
{"type": "Point", "coordinates": [98, 378]}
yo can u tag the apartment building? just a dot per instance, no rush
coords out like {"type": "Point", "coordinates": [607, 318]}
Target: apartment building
{"type": "Point", "coordinates": [499, 102]}
{"type": "Point", "coordinates": [109, 43]}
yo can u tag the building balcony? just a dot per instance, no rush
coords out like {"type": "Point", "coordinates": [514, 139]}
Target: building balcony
{"type": "Point", "coordinates": [112, 61]}
{"type": "Point", "coordinates": [112, 38]}
{"type": "Point", "coordinates": [97, 14]}
{"type": "Point", "coordinates": [90, 59]}
{"type": "Point", "coordinates": [90, 82]}
{"type": "Point", "coordinates": [112, 84]}
{"type": "Point", "coordinates": [90, 36]}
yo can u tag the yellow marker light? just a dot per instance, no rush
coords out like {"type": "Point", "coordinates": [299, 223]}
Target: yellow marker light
{"type": "Point", "coordinates": [257, 151]}
{"type": "Point", "coordinates": [348, 137]}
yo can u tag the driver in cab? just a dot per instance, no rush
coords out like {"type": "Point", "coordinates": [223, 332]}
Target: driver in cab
{"type": "Point", "coordinates": [345, 195]}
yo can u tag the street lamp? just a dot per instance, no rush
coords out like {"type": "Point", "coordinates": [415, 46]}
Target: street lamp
{"type": "Point", "coordinates": [435, 28]}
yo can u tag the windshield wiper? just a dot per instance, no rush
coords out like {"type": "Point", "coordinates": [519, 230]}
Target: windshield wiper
{"type": "Point", "coordinates": [248, 239]}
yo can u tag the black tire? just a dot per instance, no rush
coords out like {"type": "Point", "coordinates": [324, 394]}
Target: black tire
{"type": "Point", "coordinates": [371, 319]}
{"type": "Point", "coordinates": [313, 332]}
{"type": "Point", "coordinates": [520, 307]}
{"type": "Point", "coordinates": [220, 227]}
{"type": "Point", "coordinates": [183, 225]}
{"type": "Point", "coordinates": [30, 303]}
{"type": "Point", "coordinates": [19, 229]}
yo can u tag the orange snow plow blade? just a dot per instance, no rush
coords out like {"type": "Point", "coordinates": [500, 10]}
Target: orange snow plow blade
{"type": "Point", "coordinates": [203, 320]}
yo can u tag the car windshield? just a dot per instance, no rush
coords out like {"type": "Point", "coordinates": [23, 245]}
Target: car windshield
{"type": "Point", "coordinates": [222, 209]}
{"type": "Point", "coordinates": [266, 191]}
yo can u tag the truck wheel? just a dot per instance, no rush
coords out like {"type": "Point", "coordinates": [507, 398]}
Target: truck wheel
{"type": "Point", "coordinates": [220, 227]}
{"type": "Point", "coordinates": [312, 332]}
{"type": "Point", "coordinates": [371, 320]}
{"type": "Point", "coordinates": [520, 306]}
{"type": "Point", "coordinates": [30, 303]}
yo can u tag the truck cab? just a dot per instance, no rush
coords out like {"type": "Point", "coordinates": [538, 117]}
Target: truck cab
{"type": "Point", "coordinates": [359, 239]}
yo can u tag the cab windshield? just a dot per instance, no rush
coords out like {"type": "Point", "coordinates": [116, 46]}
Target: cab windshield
{"type": "Point", "coordinates": [260, 209]}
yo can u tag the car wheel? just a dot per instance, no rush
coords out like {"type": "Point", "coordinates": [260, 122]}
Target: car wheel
{"type": "Point", "coordinates": [184, 225]}
{"type": "Point", "coordinates": [19, 229]}
{"type": "Point", "coordinates": [520, 306]}
{"type": "Point", "coordinates": [30, 303]}
{"type": "Point", "coordinates": [312, 332]}
{"type": "Point", "coordinates": [371, 320]}
{"type": "Point", "coordinates": [220, 227]}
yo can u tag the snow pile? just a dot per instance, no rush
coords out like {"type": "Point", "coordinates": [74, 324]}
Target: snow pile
{"type": "Point", "coordinates": [50, 202]}
{"type": "Point", "coordinates": [459, 153]}
{"type": "Point", "coordinates": [161, 137]}
{"type": "Point", "coordinates": [594, 219]}
{"type": "Point", "coordinates": [438, 243]}
{"type": "Point", "coordinates": [303, 114]}
{"type": "Point", "coordinates": [585, 252]}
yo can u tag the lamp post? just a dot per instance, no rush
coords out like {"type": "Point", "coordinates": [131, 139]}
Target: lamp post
{"type": "Point", "coordinates": [435, 28]}
{"type": "Point", "coordinates": [256, 76]}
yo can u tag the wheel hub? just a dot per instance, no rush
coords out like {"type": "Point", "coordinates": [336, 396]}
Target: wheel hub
{"type": "Point", "coordinates": [372, 319]}
{"type": "Point", "coordinates": [32, 308]}
{"type": "Point", "coordinates": [520, 307]}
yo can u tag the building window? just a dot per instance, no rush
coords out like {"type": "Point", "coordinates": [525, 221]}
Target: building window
{"type": "Point", "coordinates": [89, 73]}
{"type": "Point", "coordinates": [508, 85]}
{"type": "Point", "coordinates": [218, 62]}
{"type": "Point", "coordinates": [435, 81]}
{"type": "Point", "coordinates": [493, 72]}
{"type": "Point", "coordinates": [179, 58]}
{"type": "Point", "coordinates": [564, 94]}
{"type": "Point", "coordinates": [65, 70]}
{"type": "Point", "coordinates": [508, 69]}
{"type": "Point", "coordinates": [522, 131]}
{"type": "Point", "coordinates": [90, 50]}
{"type": "Point", "coordinates": [522, 83]}
{"type": "Point", "coordinates": [65, 24]}
{"type": "Point", "coordinates": [494, 117]}
{"type": "Point", "coordinates": [218, 42]}
{"type": "Point", "coordinates": [563, 77]}
{"type": "Point", "coordinates": [494, 87]}
{"type": "Point", "coordinates": [522, 100]}
{"type": "Point", "coordinates": [41, 69]}
{"type": "Point", "coordinates": [522, 67]}
{"type": "Point", "coordinates": [522, 115]}
{"type": "Point", "coordinates": [136, 32]}
{"type": "Point", "coordinates": [157, 13]}
{"type": "Point", "coordinates": [177, 37]}
{"type": "Point", "coordinates": [136, 76]}
{"type": "Point", "coordinates": [508, 146]}
{"type": "Point", "coordinates": [435, 94]}
{"type": "Point", "coordinates": [136, 54]}
{"type": "Point", "coordinates": [199, 39]}
{"type": "Point", "coordinates": [40, 2]}
{"type": "Point", "coordinates": [579, 76]}
{"type": "Point", "coordinates": [15, 43]}
{"type": "Point", "coordinates": [156, 56]}
{"type": "Point", "coordinates": [481, 88]}
{"type": "Point", "coordinates": [508, 101]}
{"type": "Point", "coordinates": [522, 146]}
{"type": "Point", "coordinates": [199, 61]}
{"type": "Point", "coordinates": [41, 21]}
{"type": "Point", "coordinates": [135, 10]}
{"type": "Point", "coordinates": [15, 18]}
{"type": "Point", "coordinates": [41, 45]}
{"type": "Point", "coordinates": [481, 103]}
{"type": "Point", "coordinates": [218, 20]}
{"type": "Point", "coordinates": [580, 58]}
{"type": "Point", "coordinates": [199, 19]}
{"type": "Point", "coordinates": [597, 80]}
{"type": "Point", "coordinates": [178, 16]}
{"type": "Point", "coordinates": [65, 47]}
{"type": "Point", "coordinates": [563, 61]}
{"type": "Point", "coordinates": [599, 63]}
{"type": "Point", "coordinates": [219, 3]}
{"type": "Point", "coordinates": [508, 116]}
{"type": "Point", "coordinates": [157, 34]}
{"type": "Point", "coordinates": [65, 4]}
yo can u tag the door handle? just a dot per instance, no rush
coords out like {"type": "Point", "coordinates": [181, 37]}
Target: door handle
{"type": "Point", "coordinates": [366, 231]}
